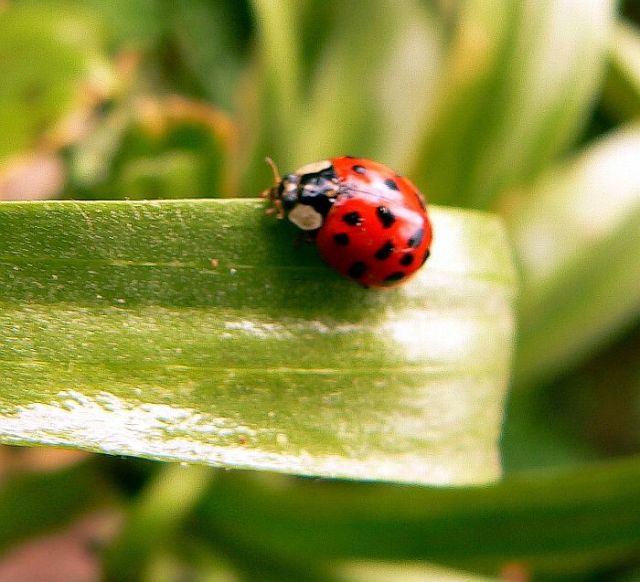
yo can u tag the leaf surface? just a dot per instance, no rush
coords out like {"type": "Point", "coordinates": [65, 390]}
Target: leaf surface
{"type": "Point", "coordinates": [197, 331]}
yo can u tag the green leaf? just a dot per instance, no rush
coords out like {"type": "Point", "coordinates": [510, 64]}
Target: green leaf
{"type": "Point", "coordinates": [554, 522]}
{"type": "Point", "coordinates": [335, 102]}
{"type": "Point", "coordinates": [517, 89]}
{"type": "Point", "coordinates": [578, 241]}
{"type": "Point", "coordinates": [164, 505]}
{"type": "Point", "coordinates": [210, 37]}
{"type": "Point", "coordinates": [37, 503]}
{"type": "Point", "coordinates": [159, 532]}
{"type": "Point", "coordinates": [622, 89]}
{"type": "Point", "coordinates": [171, 174]}
{"type": "Point", "coordinates": [128, 23]}
{"type": "Point", "coordinates": [364, 571]}
{"type": "Point", "coordinates": [279, 56]}
{"type": "Point", "coordinates": [44, 63]}
{"type": "Point", "coordinates": [375, 111]}
{"type": "Point", "coordinates": [593, 409]}
{"type": "Point", "coordinates": [197, 331]}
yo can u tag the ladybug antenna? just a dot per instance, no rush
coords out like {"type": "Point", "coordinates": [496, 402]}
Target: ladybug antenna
{"type": "Point", "coordinates": [276, 172]}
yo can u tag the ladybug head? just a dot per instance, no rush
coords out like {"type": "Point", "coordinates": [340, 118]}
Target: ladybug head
{"type": "Point", "coordinates": [284, 192]}
{"type": "Point", "coordinates": [305, 196]}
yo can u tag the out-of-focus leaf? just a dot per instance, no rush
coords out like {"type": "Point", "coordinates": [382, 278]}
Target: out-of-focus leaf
{"type": "Point", "coordinates": [163, 512]}
{"type": "Point", "coordinates": [173, 174]}
{"type": "Point", "coordinates": [370, 96]}
{"type": "Point", "coordinates": [196, 331]}
{"type": "Point", "coordinates": [210, 39]}
{"type": "Point", "coordinates": [156, 514]}
{"type": "Point", "coordinates": [44, 63]}
{"type": "Point", "coordinates": [279, 57]}
{"type": "Point", "coordinates": [267, 98]}
{"type": "Point", "coordinates": [356, 96]}
{"type": "Point", "coordinates": [172, 147]}
{"type": "Point", "coordinates": [92, 157]}
{"type": "Point", "coordinates": [622, 89]}
{"type": "Point", "coordinates": [537, 435]}
{"type": "Point", "coordinates": [553, 522]}
{"type": "Point", "coordinates": [519, 80]}
{"type": "Point", "coordinates": [127, 23]}
{"type": "Point", "coordinates": [36, 503]}
{"type": "Point", "coordinates": [577, 237]}
{"type": "Point", "coordinates": [403, 572]}
{"type": "Point", "coordinates": [592, 412]}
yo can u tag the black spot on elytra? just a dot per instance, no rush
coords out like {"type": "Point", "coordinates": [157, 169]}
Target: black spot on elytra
{"type": "Point", "coordinates": [389, 183]}
{"type": "Point", "coordinates": [406, 260]}
{"type": "Point", "coordinates": [352, 218]}
{"type": "Point", "coordinates": [416, 238]}
{"type": "Point", "coordinates": [426, 256]}
{"type": "Point", "coordinates": [386, 216]}
{"type": "Point", "coordinates": [359, 169]}
{"type": "Point", "coordinates": [357, 269]}
{"type": "Point", "coordinates": [394, 277]}
{"type": "Point", "coordinates": [342, 239]}
{"type": "Point", "coordinates": [384, 252]}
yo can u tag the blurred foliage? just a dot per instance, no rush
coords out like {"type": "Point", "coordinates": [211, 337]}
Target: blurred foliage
{"type": "Point", "coordinates": [487, 104]}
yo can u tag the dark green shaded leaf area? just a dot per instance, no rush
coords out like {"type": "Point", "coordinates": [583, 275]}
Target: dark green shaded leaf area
{"type": "Point", "coordinates": [199, 331]}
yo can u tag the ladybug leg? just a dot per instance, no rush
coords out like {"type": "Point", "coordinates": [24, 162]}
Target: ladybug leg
{"type": "Point", "coordinates": [270, 193]}
{"type": "Point", "coordinates": [276, 203]}
{"type": "Point", "coordinates": [276, 207]}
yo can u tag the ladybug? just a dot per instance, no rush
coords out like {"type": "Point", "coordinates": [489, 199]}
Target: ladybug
{"type": "Point", "coordinates": [369, 224]}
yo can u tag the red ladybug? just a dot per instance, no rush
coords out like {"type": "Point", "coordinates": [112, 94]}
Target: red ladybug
{"type": "Point", "coordinates": [369, 223]}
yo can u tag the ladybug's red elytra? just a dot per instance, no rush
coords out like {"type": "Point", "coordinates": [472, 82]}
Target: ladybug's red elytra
{"type": "Point", "coordinates": [369, 224]}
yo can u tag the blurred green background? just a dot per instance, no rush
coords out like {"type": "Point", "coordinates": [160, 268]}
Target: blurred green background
{"type": "Point", "coordinates": [527, 108]}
